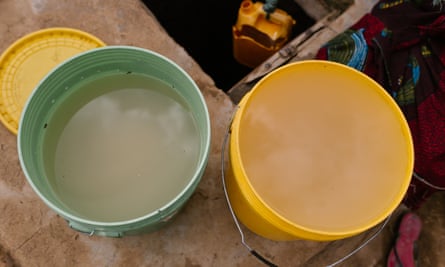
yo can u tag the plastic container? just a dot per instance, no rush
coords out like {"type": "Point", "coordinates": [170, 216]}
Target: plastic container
{"type": "Point", "coordinates": [58, 89]}
{"type": "Point", "coordinates": [318, 151]}
{"type": "Point", "coordinates": [29, 59]}
{"type": "Point", "coordinates": [257, 36]}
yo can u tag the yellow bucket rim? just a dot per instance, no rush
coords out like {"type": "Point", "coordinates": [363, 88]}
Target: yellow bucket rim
{"type": "Point", "coordinates": [261, 207]}
{"type": "Point", "coordinates": [23, 52]}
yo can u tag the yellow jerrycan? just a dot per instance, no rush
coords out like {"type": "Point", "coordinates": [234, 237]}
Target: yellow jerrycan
{"type": "Point", "coordinates": [258, 34]}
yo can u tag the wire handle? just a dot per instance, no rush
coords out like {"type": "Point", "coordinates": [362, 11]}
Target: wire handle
{"type": "Point", "coordinates": [423, 180]}
{"type": "Point", "coordinates": [240, 230]}
{"type": "Point", "coordinates": [262, 259]}
{"type": "Point", "coordinates": [362, 245]}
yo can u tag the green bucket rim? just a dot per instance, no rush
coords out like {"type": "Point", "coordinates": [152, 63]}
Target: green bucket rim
{"type": "Point", "coordinates": [190, 187]}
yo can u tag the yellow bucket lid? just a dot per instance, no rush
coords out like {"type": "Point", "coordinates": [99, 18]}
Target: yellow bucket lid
{"type": "Point", "coordinates": [29, 59]}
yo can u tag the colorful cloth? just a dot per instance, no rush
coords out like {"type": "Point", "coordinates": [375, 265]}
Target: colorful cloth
{"type": "Point", "coordinates": [401, 45]}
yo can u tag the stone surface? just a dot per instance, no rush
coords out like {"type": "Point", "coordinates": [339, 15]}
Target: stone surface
{"type": "Point", "coordinates": [203, 234]}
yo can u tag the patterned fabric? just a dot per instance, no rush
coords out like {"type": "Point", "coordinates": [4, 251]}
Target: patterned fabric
{"type": "Point", "coordinates": [401, 45]}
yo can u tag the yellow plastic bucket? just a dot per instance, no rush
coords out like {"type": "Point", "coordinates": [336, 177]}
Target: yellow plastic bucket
{"type": "Point", "coordinates": [318, 151]}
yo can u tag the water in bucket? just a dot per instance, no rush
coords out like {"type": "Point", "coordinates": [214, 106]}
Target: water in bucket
{"type": "Point", "coordinates": [121, 147]}
{"type": "Point", "coordinates": [318, 151]}
{"type": "Point", "coordinates": [331, 159]}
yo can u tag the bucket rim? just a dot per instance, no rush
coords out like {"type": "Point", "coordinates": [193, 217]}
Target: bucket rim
{"type": "Point", "coordinates": [285, 224]}
{"type": "Point", "coordinates": [194, 180]}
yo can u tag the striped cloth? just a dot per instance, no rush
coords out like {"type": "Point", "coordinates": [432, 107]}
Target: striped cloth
{"type": "Point", "coordinates": [401, 45]}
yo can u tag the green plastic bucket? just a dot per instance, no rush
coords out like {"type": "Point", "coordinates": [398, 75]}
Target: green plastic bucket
{"type": "Point", "coordinates": [62, 93]}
